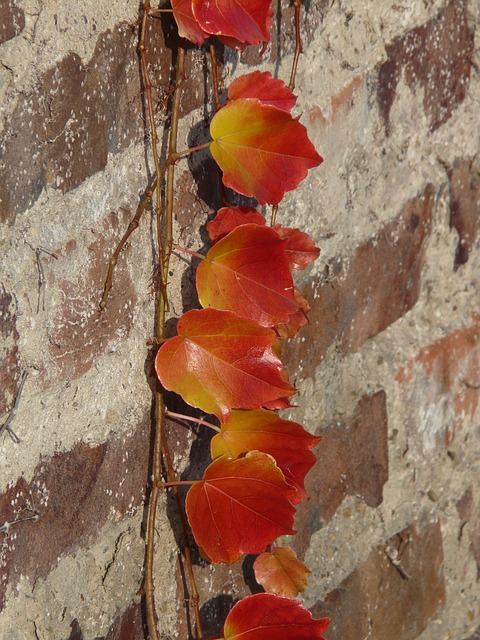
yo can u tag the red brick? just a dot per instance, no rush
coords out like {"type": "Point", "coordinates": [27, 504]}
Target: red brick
{"type": "Point", "coordinates": [464, 177]}
{"type": "Point", "coordinates": [361, 297]}
{"type": "Point", "coordinates": [469, 513]}
{"type": "Point", "coordinates": [8, 351]}
{"type": "Point", "coordinates": [443, 381]}
{"type": "Point", "coordinates": [62, 132]}
{"type": "Point", "coordinates": [379, 601]}
{"type": "Point", "coordinates": [75, 493]}
{"type": "Point", "coordinates": [12, 20]}
{"type": "Point", "coordinates": [351, 459]}
{"type": "Point", "coordinates": [434, 59]}
{"type": "Point", "coordinates": [128, 626]}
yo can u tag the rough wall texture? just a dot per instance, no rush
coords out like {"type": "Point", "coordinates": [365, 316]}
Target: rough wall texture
{"type": "Point", "coordinates": [388, 370]}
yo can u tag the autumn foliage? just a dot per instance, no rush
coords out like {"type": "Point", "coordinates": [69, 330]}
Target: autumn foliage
{"type": "Point", "coordinates": [225, 358]}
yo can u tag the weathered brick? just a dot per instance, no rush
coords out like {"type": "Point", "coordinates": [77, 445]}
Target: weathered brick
{"type": "Point", "coordinates": [469, 513]}
{"type": "Point", "coordinates": [442, 385]}
{"type": "Point", "coordinates": [381, 600]}
{"type": "Point", "coordinates": [434, 58]}
{"type": "Point", "coordinates": [62, 132]}
{"type": "Point", "coordinates": [79, 331]}
{"type": "Point", "coordinates": [351, 459]}
{"type": "Point", "coordinates": [464, 177]}
{"type": "Point", "coordinates": [74, 493]}
{"type": "Point", "coordinates": [8, 350]}
{"type": "Point", "coordinates": [12, 20]}
{"type": "Point", "coordinates": [475, 635]}
{"type": "Point", "coordinates": [358, 299]}
{"type": "Point", "coordinates": [129, 626]}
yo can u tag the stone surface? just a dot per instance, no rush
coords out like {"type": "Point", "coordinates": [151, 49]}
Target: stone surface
{"type": "Point", "coordinates": [394, 593]}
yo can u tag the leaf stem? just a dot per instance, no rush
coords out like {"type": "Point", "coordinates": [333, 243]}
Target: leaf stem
{"type": "Point", "coordinates": [187, 152]}
{"type": "Point", "coordinates": [195, 254]}
{"type": "Point", "coordinates": [181, 416]}
{"type": "Point", "coordinates": [216, 92]}
{"type": "Point", "coordinates": [298, 44]}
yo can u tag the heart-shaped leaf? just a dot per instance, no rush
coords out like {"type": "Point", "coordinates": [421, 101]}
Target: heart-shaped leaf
{"type": "Point", "coordinates": [248, 272]}
{"type": "Point", "coordinates": [299, 246]}
{"type": "Point", "coordinates": [295, 320]}
{"type": "Point", "coordinates": [246, 21]}
{"type": "Point", "coordinates": [221, 361]}
{"type": "Point", "coordinates": [263, 86]}
{"type": "Point", "coordinates": [286, 441]}
{"type": "Point", "coordinates": [187, 24]}
{"type": "Point", "coordinates": [229, 218]}
{"type": "Point", "coordinates": [263, 151]}
{"type": "Point", "coordinates": [265, 616]}
{"type": "Point", "coordinates": [281, 572]}
{"type": "Point", "coordinates": [239, 506]}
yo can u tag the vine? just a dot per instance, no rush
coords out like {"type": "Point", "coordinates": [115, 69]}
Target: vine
{"type": "Point", "coordinates": [225, 358]}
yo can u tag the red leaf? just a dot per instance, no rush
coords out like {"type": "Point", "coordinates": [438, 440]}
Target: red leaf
{"type": "Point", "coordinates": [228, 218]}
{"type": "Point", "coordinates": [247, 272]}
{"type": "Point", "coordinates": [264, 616]}
{"type": "Point", "coordinates": [286, 441]}
{"type": "Point", "coordinates": [281, 572]}
{"type": "Point", "coordinates": [239, 507]}
{"type": "Point", "coordinates": [262, 86]}
{"type": "Point", "coordinates": [246, 21]}
{"type": "Point", "coordinates": [221, 361]}
{"type": "Point", "coordinates": [299, 246]}
{"type": "Point", "coordinates": [296, 320]}
{"type": "Point", "coordinates": [262, 151]}
{"type": "Point", "coordinates": [187, 24]}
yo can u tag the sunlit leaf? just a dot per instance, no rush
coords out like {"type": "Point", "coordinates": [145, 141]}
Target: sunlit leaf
{"type": "Point", "coordinates": [263, 86]}
{"type": "Point", "coordinates": [286, 441]}
{"type": "Point", "coordinates": [295, 320]}
{"type": "Point", "coordinates": [281, 572]}
{"type": "Point", "coordinates": [263, 151]}
{"type": "Point", "coordinates": [187, 24]}
{"type": "Point", "coordinates": [265, 616]}
{"type": "Point", "coordinates": [300, 248]}
{"type": "Point", "coordinates": [221, 361]}
{"type": "Point", "coordinates": [248, 272]}
{"type": "Point", "coordinates": [228, 218]}
{"type": "Point", "coordinates": [246, 21]}
{"type": "Point", "coordinates": [239, 506]}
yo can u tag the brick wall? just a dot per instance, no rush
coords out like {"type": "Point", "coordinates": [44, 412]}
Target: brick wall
{"type": "Point", "coordinates": [388, 369]}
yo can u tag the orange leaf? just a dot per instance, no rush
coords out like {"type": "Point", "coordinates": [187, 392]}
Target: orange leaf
{"type": "Point", "coordinates": [187, 24]}
{"type": "Point", "coordinates": [263, 86]}
{"type": "Point", "coordinates": [239, 506]}
{"type": "Point", "coordinates": [247, 272]}
{"type": "Point", "coordinates": [286, 441]}
{"type": "Point", "coordinates": [221, 361]}
{"type": "Point", "coordinates": [263, 151]}
{"type": "Point", "coordinates": [296, 320]}
{"type": "Point", "coordinates": [245, 21]}
{"type": "Point", "coordinates": [264, 616]}
{"type": "Point", "coordinates": [228, 218]}
{"type": "Point", "coordinates": [281, 572]}
{"type": "Point", "coordinates": [299, 246]}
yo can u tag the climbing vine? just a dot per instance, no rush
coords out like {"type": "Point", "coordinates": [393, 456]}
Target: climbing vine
{"type": "Point", "coordinates": [226, 357]}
